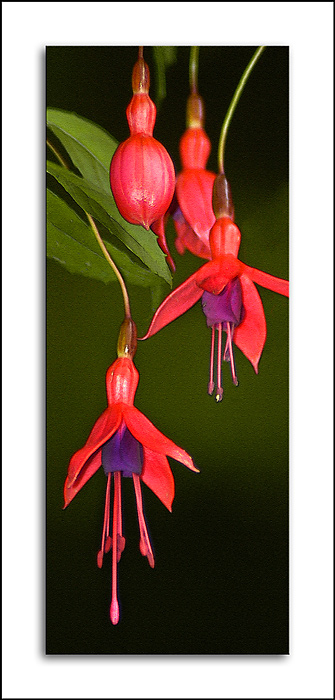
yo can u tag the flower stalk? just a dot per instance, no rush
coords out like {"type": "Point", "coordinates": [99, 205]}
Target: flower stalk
{"type": "Point", "coordinates": [233, 105]}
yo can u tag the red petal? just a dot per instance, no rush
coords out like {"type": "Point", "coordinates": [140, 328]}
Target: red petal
{"type": "Point", "coordinates": [265, 280]}
{"type": "Point", "coordinates": [250, 335]}
{"type": "Point", "coordinates": [157, 475]}
{"type": "Point", "coordinates": [106, 425]}
{"type": "Point", "coordinates": [175, 304]}
{"type": "Point", "coordinates": [91, 466]}
{"type": "Point", "coordinates": [146, 433]}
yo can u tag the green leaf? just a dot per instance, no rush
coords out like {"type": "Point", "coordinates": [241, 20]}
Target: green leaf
{"type": "Point", "coordinates": [164, 56]}
{"type": "Point", "coordinates": [103, 208]}
{"type": "Point", "coordinates": [71, 242]}
{"type": "Point", "coordinates": [90, 147]}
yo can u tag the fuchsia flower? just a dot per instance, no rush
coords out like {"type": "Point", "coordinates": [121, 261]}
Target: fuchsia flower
{"type": "Point", "coordinates": [125, 443]}
{"type": "Point", "coordinates": [142, 175]}
{"type": "Point", "coordinates": [193, 213]}
{"type": "Point", "coordinates": [230, 301]}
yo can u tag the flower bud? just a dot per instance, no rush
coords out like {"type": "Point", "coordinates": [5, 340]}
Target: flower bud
{"type": "Point", "coordinates": [142, 175]}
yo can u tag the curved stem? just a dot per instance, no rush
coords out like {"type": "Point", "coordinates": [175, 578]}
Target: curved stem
{"type": "Point", "coordinates": [193, 70]}
{"type": "Point", "coordinates": [113, 266]}
{"type": "Point", "coordinates": [100, 242]}
{"type": "Point", "coordinates": [233, 104]}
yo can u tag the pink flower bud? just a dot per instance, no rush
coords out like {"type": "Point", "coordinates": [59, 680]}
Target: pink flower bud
{"type": "Point", "coordinates": [142, 175]}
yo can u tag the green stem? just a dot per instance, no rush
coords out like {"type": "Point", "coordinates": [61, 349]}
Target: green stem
{"type": "Point", "coordinates": [193, 70]}
{"type": "Point", "coordinates": [233, 104]}
{"type": "Point", "coordinates": [100, 242]}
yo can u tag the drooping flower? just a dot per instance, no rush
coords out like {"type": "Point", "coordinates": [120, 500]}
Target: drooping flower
{"type": "Point", "coordinates": [193, 213]}
{"type": "Point", "coordinates": [230, 301]}
{"type": "Point", "coordinates": [125, 443]}
{"type": "Point", "coordinates": [142, 175]}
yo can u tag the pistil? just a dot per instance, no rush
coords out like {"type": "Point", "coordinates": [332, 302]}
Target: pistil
{"type": "Point", "coordinates": [116, 553]}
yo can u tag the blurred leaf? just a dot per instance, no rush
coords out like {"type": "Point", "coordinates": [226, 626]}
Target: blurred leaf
{"type": "Point", "coordinates": [103, 208]}
{"type": "Point", "coordinates": [164, 56]}
{"type": "Point", "coordinates": [71, 242]}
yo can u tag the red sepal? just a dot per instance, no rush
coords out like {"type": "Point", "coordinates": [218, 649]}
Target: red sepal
{"type": "Point", "coordinates": [276, 284]}
{"type": "Point", "coordinates": [250, 335]}
{"type": "Point", "coordinates": [175, 304]}
{"type": "Point", "coordinates": [146, 433]}
{"type": "Point", "coordinates": [81, 468]}
{"type": "Point", "coordinates": [157, 475]}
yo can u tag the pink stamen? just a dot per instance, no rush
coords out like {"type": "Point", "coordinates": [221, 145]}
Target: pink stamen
{"type": "Point", "coordinates": [114, 608]}
{"type": "Point", "coordinates": [145, 546]}
{"type": "Point", "coordinates": [219, 389]}
{"type": "Point", "coordinates": [210, 388]}
{"type": "Point", "coordinates": [105, 540]}
{"type": "Point", "coordinates": [230, 332]}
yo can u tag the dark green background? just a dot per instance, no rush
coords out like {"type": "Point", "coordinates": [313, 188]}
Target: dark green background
{"type": "Point", "coordinates": [220, 585]}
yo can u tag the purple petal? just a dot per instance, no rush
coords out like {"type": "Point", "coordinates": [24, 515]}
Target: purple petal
{"type": "Point", "coordinates": [225, 307]}
{"type": "Point", "coordinates": [122, 453]}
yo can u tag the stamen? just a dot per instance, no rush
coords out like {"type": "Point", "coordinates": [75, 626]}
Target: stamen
{"type": "Point", "coordinates": [145, 546]}
{"type": "Point", "coordinates": [230, 331]}
{"type": "Point", "coordinates": [121, 541]}
{"type": "Point", "coordinates": [105, 540]}
{"type": "Point", "coordinates": [114, 607]}
{"type": "Point", "coordinates": [211, 366]}
{"type": "Point", "coordinates": [219, 389]}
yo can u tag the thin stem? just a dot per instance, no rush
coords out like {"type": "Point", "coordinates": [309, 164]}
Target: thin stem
{"type": "Point", "coordinates": [100, 242]}
{"type": "Point", "coordinates": [193, 70]}
{"type": "Point", "coordinates": [113, 266]}
{"type": "Point", "coordinates": [140, 51]}
{"type": "Point", "coordinates": [233, 104]}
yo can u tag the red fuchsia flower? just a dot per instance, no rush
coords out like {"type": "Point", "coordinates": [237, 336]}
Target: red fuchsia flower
{"type": "Point", "coordinates": [193, 213]}
{"type": "Point", "coordinates": [142, 175]}
{"type": "Point", "coordinates": [230, 300]}
{"type": "Point", "coordinates": [125, 443]}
